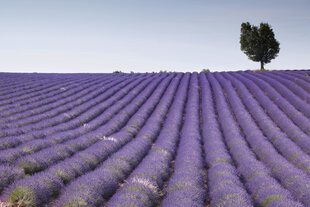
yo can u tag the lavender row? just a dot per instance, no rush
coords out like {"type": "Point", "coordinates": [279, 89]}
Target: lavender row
{"type": "Point", "coordinates": [297, 90]}
{"type": "Point", "coordinates": [25, 80]}
{"type": "Point", "coordinates": [73, 110]}
{"type": "Point", "coordinates": [26, 86]}
{"type": "Point", "coordinates": [41, 83]}
{"type": "Point", "coordinates": [293, 122]}
{"type": "Point", "coordinates": [299, 76]}
{"type": "Point", "coordinates": [8, 174]}
{"type": "Point", "coordinates": [281, 122]}
{"type": "Point", "coordinates": [298, 81]}
{"type": "Point", "coordinates": [102, 151]}
{"type": "Point", "coordinates": [19, 95]}
{"type": "Point", "coordinates": [299, 104]}
{"type": "Point", "coordinates": [53, 113]}
{"type": "Point", "coordinates": [73, 166]}
{"type": "Point", "coordinates": [263, 188]}
{"type": "Point", "coordinates": [47, 157]}
{"type": "Point", "coordinates": [299, 72]}
{"type": "Point", "coordinates": [186, 185]}
{"type": "Point", "coordinates": [43, 97]}
{"type": "Point", "coordinates": [15, 103]}
{"type": "Point", "coordinates": [22, 112]}
{"type": "Point", "coordinates": [13, 81]}
{"type": "Point", "coordinates": [48, 114]}
{"type": "Point", "coordinates": [224, 185]}
{"type": "Point", "coordinates": [80, 92]}
{"type": "Point", "coordinates": [20, 81]}
{"type": "Point", "coordinates": [143, 187]}
{"type": "Point", "coordinates": [76, 82]}
{"type": "Point", "coordinates": [85, 159]}
{"type": "Point", "coordinates": [291, 177]}
{"type": "Point", "coordinates": [292, 152]}
{"type": "Point", "coordinates": [10, 155]}
{"type": "Point", "coordinates": [80, 144]}
{"type": "Point", "coordinates": [103, 181]}
{"type": "Point", "coordinates": [99, 115]}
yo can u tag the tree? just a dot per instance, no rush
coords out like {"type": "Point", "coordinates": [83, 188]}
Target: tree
{"type": "Point", "coordinates": [259, 44]}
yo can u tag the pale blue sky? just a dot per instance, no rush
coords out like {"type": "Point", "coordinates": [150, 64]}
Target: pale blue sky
{"type": "Point", "coordinates": [146, 35]}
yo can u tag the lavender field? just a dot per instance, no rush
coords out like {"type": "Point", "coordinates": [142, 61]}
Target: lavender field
{"type": "Point", "coordinates": [233, 139]}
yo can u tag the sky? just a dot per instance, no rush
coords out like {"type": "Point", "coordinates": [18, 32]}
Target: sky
{"type": "Point", "coordinates": [95, 36]}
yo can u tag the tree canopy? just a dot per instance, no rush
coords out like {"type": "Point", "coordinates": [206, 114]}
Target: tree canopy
{"type": "Point", "coordinates": [259, 44]}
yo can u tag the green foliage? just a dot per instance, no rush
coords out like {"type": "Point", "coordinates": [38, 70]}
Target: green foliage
{"type": "Point", "coordinates": [163, 71]}
{"type": "Point", "coordinates": [30, 166]}
{"type": "Point", "coordinates": [205, 70]}
{"type": "Point", "coordinates": [22, 196]}
{"type": "Point", "coordinates": [270, 199]}
{"type": "Point", "coordinates": [80, 202]}
{"type": "Point", "coordinates": [225, 199]}
{"type": "Point", "coordinates": [259, 44]}
{"type": "Point", "coordinates": [117, 71]}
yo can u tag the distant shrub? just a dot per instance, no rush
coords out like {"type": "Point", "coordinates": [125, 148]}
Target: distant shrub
{"type": "Point", "coordinates": [205, 70]}
{"type": "Point", "coordinates": [117, 71]}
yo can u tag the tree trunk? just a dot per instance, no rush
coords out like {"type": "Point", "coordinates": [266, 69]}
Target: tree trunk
{"type": "Point", "coordinates": [262, 65]}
